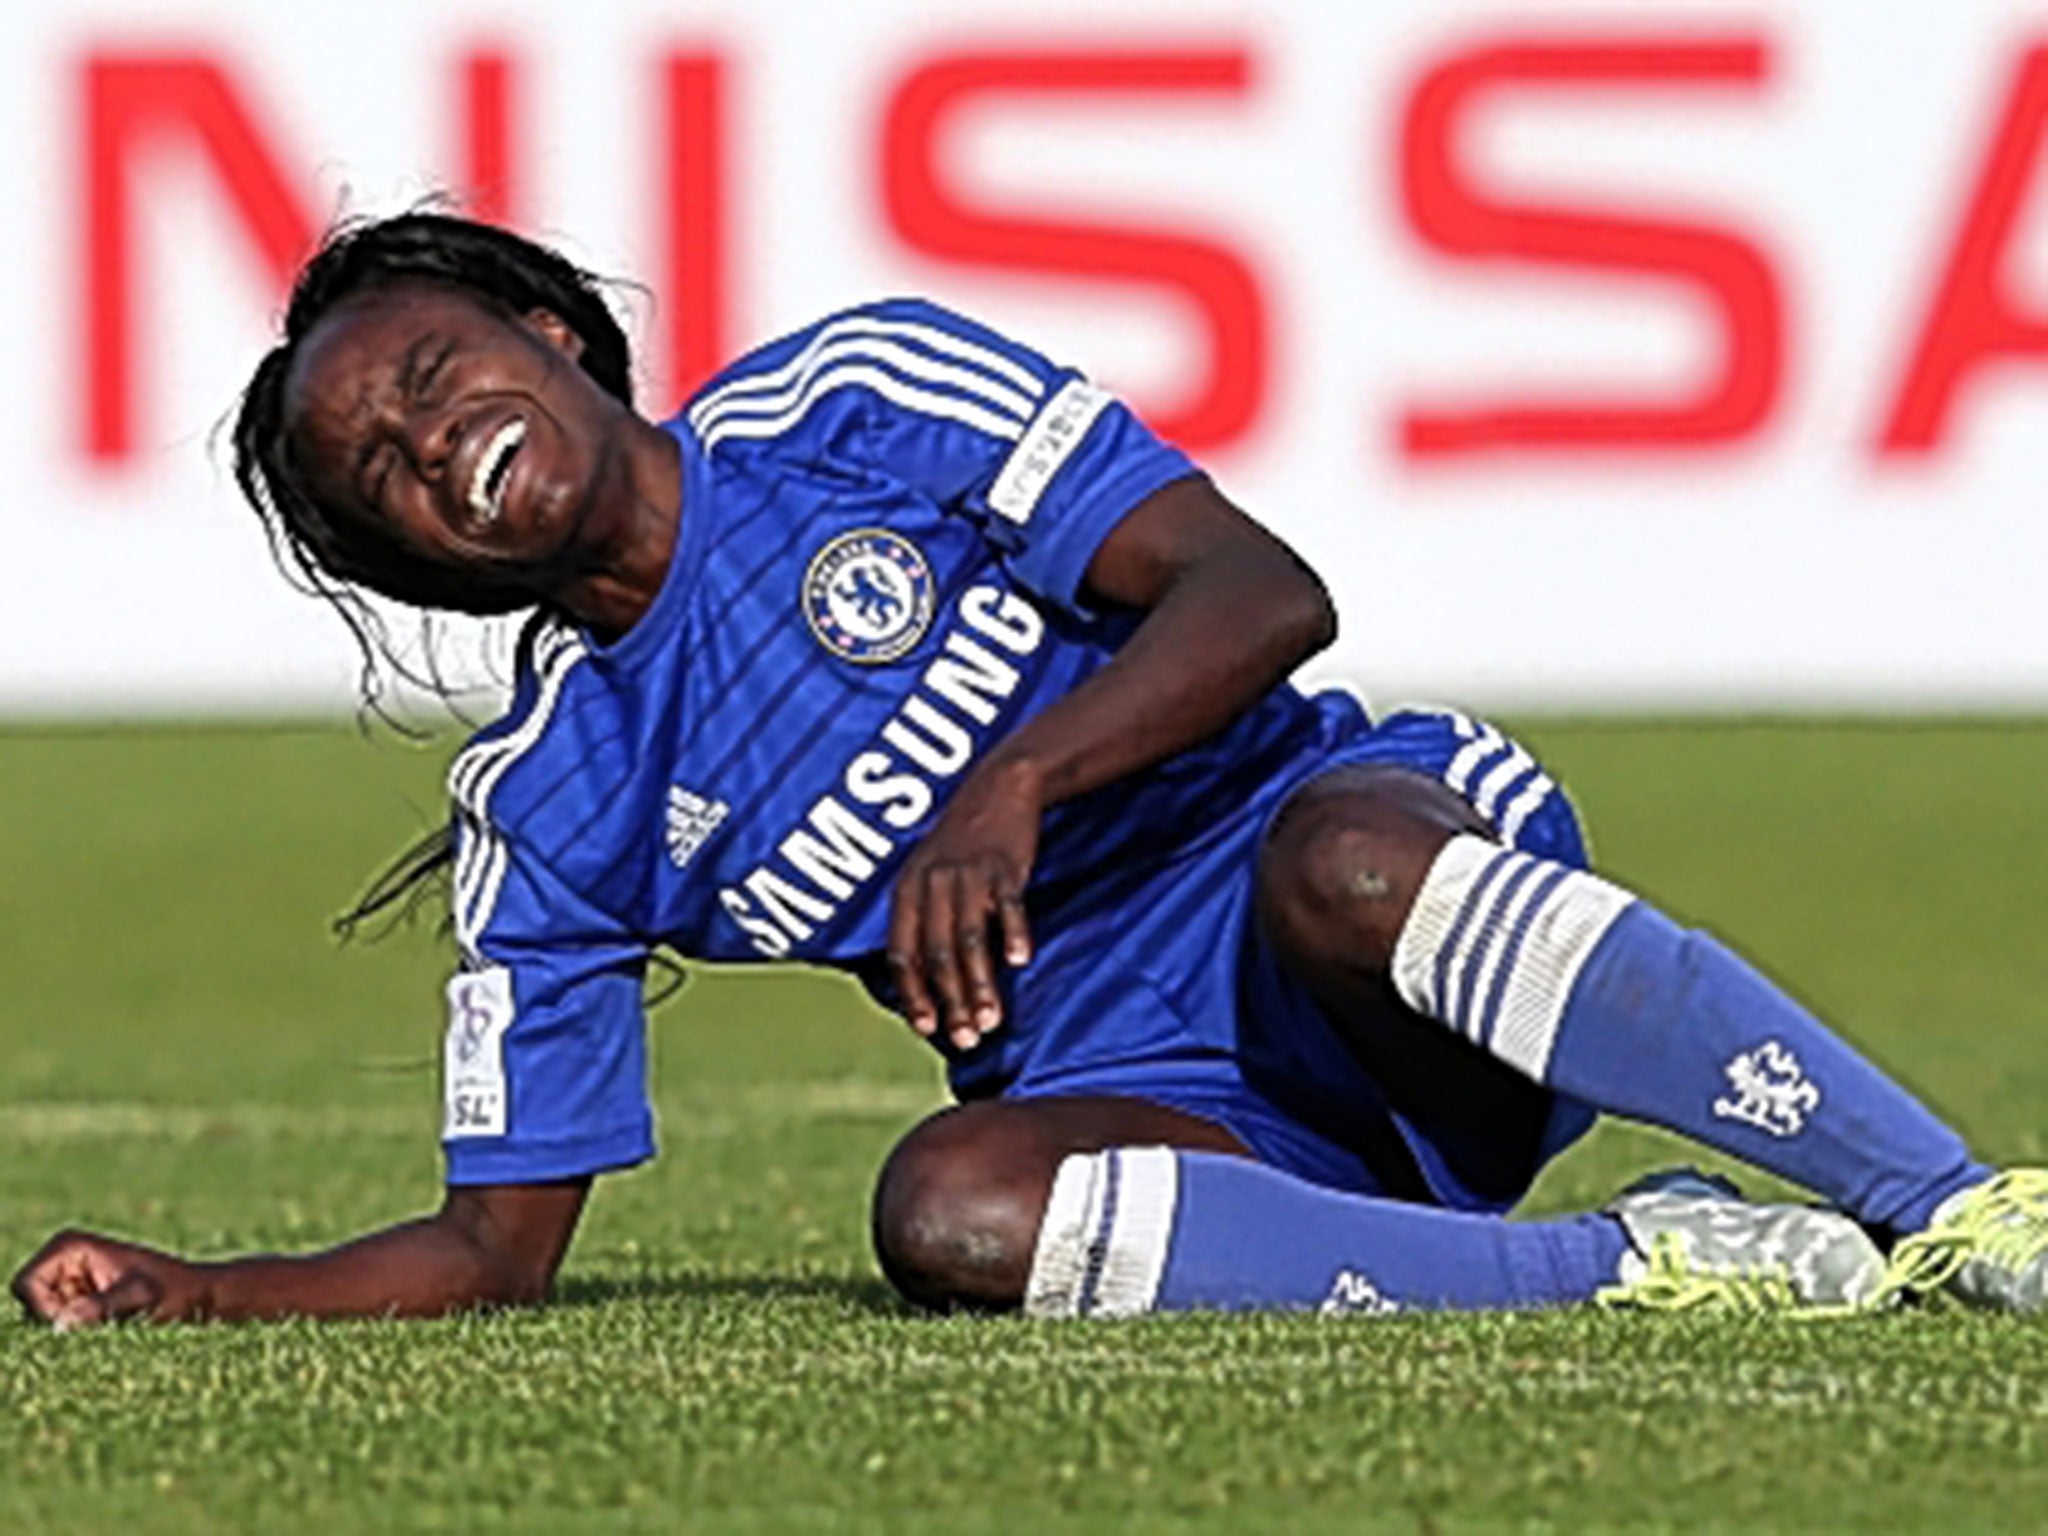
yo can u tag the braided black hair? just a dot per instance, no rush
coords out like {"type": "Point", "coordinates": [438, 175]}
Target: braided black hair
{"type": "Point", "coordinates": [325, 550]}
{"type": "Point", "coordinates": [331, 554]}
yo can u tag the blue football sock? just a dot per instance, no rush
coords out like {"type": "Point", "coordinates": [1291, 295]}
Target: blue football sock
{"type": "Point", "coordinates": [1597, 994]}
{"type": "Point", "coordinates": [1145, 1229]}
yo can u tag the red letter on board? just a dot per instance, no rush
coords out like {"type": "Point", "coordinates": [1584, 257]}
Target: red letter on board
{"type": "Point", "coordinates": [1733, 396]}
{"type": "Point", "coordinates": [935, 216]}
{"type": "Point", "coordinates": [490, 188]}
{"type": "Point", "coordinates": [135, 104]}
{"type": "Point", "coordinates": [694, 203]}
{"type": "Point", "coordinates": [1974, 320]}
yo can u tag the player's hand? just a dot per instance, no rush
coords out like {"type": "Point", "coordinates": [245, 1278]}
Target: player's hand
{"type": "Point", "coordinates": [81, 1280]}
{"type": "Point", "coordinates": [960, 888]}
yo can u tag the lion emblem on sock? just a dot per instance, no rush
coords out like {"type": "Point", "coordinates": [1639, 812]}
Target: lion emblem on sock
{"type": "Point", "coordinates": [1771, 1091]}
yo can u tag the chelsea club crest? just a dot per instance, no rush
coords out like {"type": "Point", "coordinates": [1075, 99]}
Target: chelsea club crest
{"type": "Point", "coordinates": [869, 595]}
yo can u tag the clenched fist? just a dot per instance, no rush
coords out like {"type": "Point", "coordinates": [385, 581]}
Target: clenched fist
{"type": "Point", "coordinates": [80, 1280]}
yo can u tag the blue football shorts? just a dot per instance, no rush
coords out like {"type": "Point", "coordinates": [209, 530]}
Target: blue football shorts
{"type": "Point", "coordinates": [1163, 988]}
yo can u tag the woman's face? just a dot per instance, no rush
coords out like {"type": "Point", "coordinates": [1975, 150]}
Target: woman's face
{"type": "Point", "coordinates": [471, 433]}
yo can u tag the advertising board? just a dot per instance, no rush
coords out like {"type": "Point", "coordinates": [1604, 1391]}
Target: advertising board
{"type": "Point", "coordinates": [1620, 356]}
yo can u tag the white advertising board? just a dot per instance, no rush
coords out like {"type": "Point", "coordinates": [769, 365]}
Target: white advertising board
{"type": "Point", "coordinates": [1621, 355]}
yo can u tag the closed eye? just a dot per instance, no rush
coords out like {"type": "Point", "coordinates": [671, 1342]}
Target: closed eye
{"type": "Point", "coordinates": [424, 381]}
{"type": "Point", "coordinates": [380, 475]}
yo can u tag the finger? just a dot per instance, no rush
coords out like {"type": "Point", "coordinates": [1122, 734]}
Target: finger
{"type": "Point", "coordinates": [941, 957]}
{"type": "Point", "coordinates": [1015, 923]}
{"type": "Point", "coordinates": [135, 1294]}
{"type": "Point", "coordinates": [906, 922]}
{"type": "Point", "coordinates": [83, 1312]}
{"type": "Point", "coordinates": [100, 1266]}
{"type": "Point", "coordinates": [37, 1292]}
{"type": "Point", "coordinates": [56, 1275]}
{"type": "Point", "coordinates": [976, 913]}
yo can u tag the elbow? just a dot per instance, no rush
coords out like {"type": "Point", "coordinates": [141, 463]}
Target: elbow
{"type": "Point", "coordinates": [514, 1279]}
{"type": "Point", "coordinates": [1320, 622]}
{"type": "Point", "coordinates": [510, 1241]}
{"type": "Point", "coordinates": [508, 1280]}
{"type": "Point", "coordinates": [522, 1290]}
{"type": "Point", "coordinates": [1304, 615]}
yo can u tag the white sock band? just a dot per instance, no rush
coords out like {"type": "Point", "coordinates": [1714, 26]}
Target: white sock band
{"type": "Point", "coordinates": [1102, 1245]}
{"type": "Point", "coordinates": [1495, 941]}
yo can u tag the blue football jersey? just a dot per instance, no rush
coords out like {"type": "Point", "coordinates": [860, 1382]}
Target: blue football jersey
{"type": "Point", "coordinates": [886, 522]}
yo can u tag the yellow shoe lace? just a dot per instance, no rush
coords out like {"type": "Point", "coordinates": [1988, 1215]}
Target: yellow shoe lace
{"type": "Point", "coordinates": [2004, 1221]}
{"type": "Point", "coordinates": [1669, 1283]}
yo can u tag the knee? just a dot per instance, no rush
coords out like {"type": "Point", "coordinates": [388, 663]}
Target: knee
{"type": "Point", "coordinates": [957, 1211]}
{"type": "Point", "coordinates": [1340, 870]}
{"type": "Point", "coordinates": [1336, 897]}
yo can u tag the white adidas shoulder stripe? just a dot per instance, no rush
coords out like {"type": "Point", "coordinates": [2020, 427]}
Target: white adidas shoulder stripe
{"type": "Point", "coordinates": [907, 361]}
{"type": "Point", "coordinates": [995, 423]}
{"type": "Point", "coordinates": [776, 380]}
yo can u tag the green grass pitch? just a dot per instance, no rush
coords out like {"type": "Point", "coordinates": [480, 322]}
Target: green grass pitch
{"type": "Point", "coordinates": [185, 1058]}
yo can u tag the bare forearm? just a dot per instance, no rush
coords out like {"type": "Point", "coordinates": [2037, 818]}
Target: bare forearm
{"type": "Point", "coordinates": [1228, 613]}
{"type": "Point", "coordinates": [495, 1245]}
{"type": "Point", "coordinates": [1223, 632]}
{"type": "Point", "coordinates": [419, 1268]}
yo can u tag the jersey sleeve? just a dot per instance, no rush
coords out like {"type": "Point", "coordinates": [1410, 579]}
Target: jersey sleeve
{"type": "Point", "coordinates": [1046, 463]}
{"type": "Point", "coordinates": [545, 1063]}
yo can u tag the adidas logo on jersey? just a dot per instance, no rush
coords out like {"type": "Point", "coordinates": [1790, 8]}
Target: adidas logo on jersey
{"type": "Point", "coordinates": [691, 821]}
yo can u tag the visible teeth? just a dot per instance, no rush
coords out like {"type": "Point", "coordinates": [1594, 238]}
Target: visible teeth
{"type": "Point", "coordinates": [501, 447]}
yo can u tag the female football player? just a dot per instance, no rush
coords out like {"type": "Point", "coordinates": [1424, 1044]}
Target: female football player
{"type": "Point", "coordinates": [905, 651]}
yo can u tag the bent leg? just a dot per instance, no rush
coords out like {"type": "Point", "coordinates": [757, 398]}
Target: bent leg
{"type": "Point", "coordinates": [1109, 1207]}
{"type": "Point", "coordinates": [959, 1202]}
{"type": "Point", "coordinates": [1372, 882]}
{"type": "Point", "coordinates": [1146, 1229]}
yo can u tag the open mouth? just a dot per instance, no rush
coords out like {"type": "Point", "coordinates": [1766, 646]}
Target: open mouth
{"type": "Point", "coordinates": [493, 469]}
